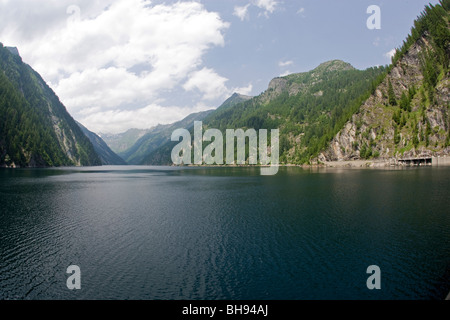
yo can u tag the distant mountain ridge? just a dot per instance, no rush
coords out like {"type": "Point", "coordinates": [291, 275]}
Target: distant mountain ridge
{"type": "Point", "coordinates": [107, 156]}
{"type": "Point", "coordinates": [234, 100]}
{"type": "Point", "coordinates": [150, 140]}
{"type": "Point", "coordinates": [157, 137]}
{"type": "Point", "coordinates": [162, 154]}
{"type": "Point", "coordinates": [293, 104]}
{"type": "Point", "coordinates": [121, 142]}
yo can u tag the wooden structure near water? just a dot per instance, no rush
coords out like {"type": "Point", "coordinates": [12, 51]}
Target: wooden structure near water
{"type": "Point", "coordinates": [422, 161]}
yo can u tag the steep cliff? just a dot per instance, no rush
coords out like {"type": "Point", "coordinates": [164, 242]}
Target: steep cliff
{"type": "Point", "coordinates": [35, 128]}
{"type": "Point", "coordinates": [408, 114]}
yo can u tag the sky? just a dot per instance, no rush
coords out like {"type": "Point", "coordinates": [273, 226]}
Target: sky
{"type": "Point", "coordinates": [121, 64]}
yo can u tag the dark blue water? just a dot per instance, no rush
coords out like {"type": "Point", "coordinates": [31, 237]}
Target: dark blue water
{"type": "Point", "coordinates": [196, 233]}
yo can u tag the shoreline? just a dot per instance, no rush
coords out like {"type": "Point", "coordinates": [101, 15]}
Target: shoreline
{"type": "Point", "coordinates": [377, 163]}
{"type": "Point", "coordinates": [373, 163]}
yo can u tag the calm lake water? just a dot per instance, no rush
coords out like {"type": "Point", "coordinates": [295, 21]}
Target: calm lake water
{"type": "Point", "coordinates": [224, 233]}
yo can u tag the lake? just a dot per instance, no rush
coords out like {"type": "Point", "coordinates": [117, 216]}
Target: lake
{"type": "Point", "coordinates": [165, 233]}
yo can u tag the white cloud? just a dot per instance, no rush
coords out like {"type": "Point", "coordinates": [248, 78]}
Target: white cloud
{"type": "Point", "coordinates": [105, 88]}
{"type": "Point", "coordinates": [267, 5]}
{"type": "Point", "coordinates": [301, 10]}
{"type": "Point", "coordinates": [118, 56]}
{"type": "Point", "coordinates": [114, 121]}
{"type": "Point", "coordinates": [286, 73]}
{"type": "Point", "coordinates": [247, 91]}
{"type": "Point", "coordinates": [376, 42]}
{"type": "Point", "coordinates": [208, 82]}
{"type": "Point", "coordinates": [390, 54]}
{"type": "Point", "coordinates": [212, 86]}
{"type": "Point", "coordinates": [285, 63]}
{"type": "Point", "coordinates": [241, 12]}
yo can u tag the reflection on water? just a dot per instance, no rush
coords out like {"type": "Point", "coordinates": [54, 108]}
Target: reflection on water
{"type": "Point", "coordinates": [224, 233]}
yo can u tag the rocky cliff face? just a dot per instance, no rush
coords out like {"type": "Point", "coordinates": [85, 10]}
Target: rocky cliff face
{"type": "Point", "coordinates": [384, 130]}
{"type": "Point", "coordinates": [297, 83]}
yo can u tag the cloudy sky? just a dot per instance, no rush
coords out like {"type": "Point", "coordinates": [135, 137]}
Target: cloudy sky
{"type": "Point", "coordinates": [120, 64]}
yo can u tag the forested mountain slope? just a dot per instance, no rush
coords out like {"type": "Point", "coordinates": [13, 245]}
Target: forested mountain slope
{"type": "Point", "coordinates": [35, 128]}
{"type": "Point", "coordinates": [408, 115]}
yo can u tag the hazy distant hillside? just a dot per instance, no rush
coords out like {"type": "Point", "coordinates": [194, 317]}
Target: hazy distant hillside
{"type": "Point", "coordinates": [107, 156]}
{"type": "Point", "coordinates": [123, 141]}
{"type": "Point", "coordinates": [157, 137]}
{"type": "Point", "coordinates": [162, 154]}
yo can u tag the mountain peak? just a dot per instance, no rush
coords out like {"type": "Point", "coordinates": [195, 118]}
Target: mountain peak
{"type": "Point", "coordinates": [334, 65]}
{"type": "Point", "coordinates": [13, 50]}
{"type": "Point", "coordinates": [301, 82]}
{"type": "Point", "coordinates": [243, 96]}
{"type": "Point", "coordinates": [233, 100]}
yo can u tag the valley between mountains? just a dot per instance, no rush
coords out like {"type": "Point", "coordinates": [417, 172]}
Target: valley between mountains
{"type": "Point", "coordinates": [331, 114]}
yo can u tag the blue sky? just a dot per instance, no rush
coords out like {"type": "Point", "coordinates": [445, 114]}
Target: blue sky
{"type": "Point", "coordinates": [323, 30]}
{"type": "Point", "coordinates": [120, 64]}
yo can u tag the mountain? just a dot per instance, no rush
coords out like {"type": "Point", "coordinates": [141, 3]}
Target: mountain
{"type": "Point", "coordinates": [123, 141]}
{"type": "Point", "coordinates": [408, 114]}
{"type": "Point", "coordinates": [233, 100]}
{"type": "Point", "coordinates": [13, 50]}
{"type": "Point", "coordinates": [162, 154]}
{"type": "Point", "coordinates": [107, 156]}
{"type": "Point", "coordinates": [336, 112]}
{"type": "Point", "coordinates": [333, 112]}
{"type": "Point", "coordinates": [35, 128]}
{"type": "Point", "coordinates": [308, 108]}
{"type": "Point", "coordinates": [157, 137]}
{"type": "Point", "coordinates": [155, 147]}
